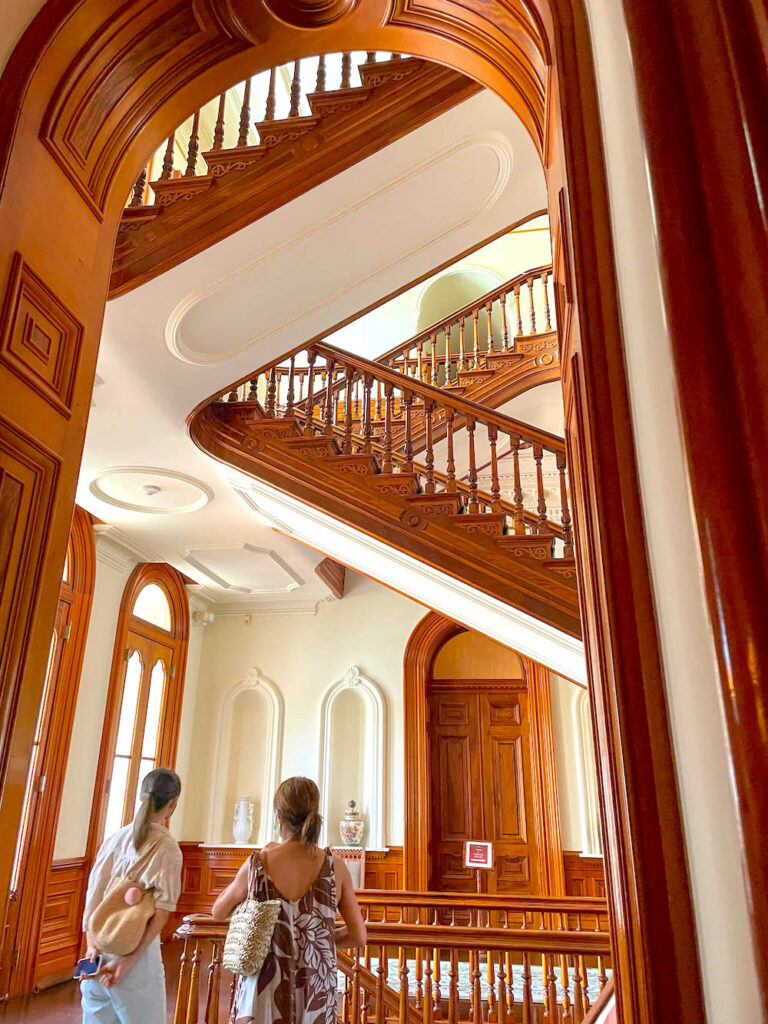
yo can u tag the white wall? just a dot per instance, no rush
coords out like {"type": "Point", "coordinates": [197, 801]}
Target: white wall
{"type": "Point", "coordinates": [112, 572]}
{"type": "Point", "coordinates": [575, 766]}
{"type": "Point", "coordinates": [303, 656]}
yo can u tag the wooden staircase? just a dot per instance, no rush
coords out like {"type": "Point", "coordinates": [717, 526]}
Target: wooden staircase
{"type": "Point", "coordinates": [349, 447]}
{"type": "Point", "coordinates": [254, 167]}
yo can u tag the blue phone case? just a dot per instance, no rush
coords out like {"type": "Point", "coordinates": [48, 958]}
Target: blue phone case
{"type": "Point", "coordinates": [87, 968]}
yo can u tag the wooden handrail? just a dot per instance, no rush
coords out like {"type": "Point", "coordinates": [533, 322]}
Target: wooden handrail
{"type": "Point", "coordinates": [465, 311]}
{"type": "Point", "coordinates": [485, 901]}
{"type": "Point", "coordinates": [463, 406]}
{"type": "Point", "coordinates": [599, 1005]}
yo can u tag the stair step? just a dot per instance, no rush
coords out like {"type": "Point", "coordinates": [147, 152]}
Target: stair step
{"type": "Point", "coordinates": [170, 190]}
{"type": "Point", "coordinates": [536, 342]}
{"type": "Point", "coordinates": [383, 71]}
{"type": "Point", "coordinates": [503, 358]}
{"type": "Point", "coordinates": [222, 161]}
{"type": "Point", "coordinates": [282, 429]}
{"type": "Point", "coordinates": [315, 446]}
{"type": "Point", "coordinates": [528, 545]}
{"type": "Point", "coordinates": [563, 567]}
{"type": "Point", "coordinates": [360, 464]}
{"type": "Point", "coordinates": [404, 484]}
{"type": "Point", "coordinates": [272, 133]}
{"type": "Point", "coordinates": [245, 412]}
{"type": "Point", "coordinates": [440, 504]}
{"type": "Point", "coordinates": [337, 101]}
{"type": "Point", "coordinates": [473, 376]}
{"type": "Point", "coordinates": [489, 523]}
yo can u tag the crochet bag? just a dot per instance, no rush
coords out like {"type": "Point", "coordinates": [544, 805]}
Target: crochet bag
{"type": "Point", "coordinates": [118, 928]}
{"type": "Point", "coordinates": [251, 927]}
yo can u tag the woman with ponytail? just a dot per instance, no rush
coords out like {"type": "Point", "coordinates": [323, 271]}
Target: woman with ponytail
{"type": "Point", "coordinates": [145, 858]}
{"type": "Point", "coordinates": [297, 981]}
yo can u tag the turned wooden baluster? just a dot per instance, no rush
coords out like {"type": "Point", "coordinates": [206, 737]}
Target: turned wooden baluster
{"type": "Point", "coordinates": [245, 115]}
{"type": "Point", "coordinates": [447, 333]}
{"type": "Point", "coordinates": [436, 1009]}
{"type": "Point", "coordinates": [320, 80]}
{"type": "Point", "coordinates": [370, 57]}
{"type": "Point", "coordinates": [516, 292]}
{"type": "Point", "coordinates": [253, 385]}
{"type": "Point", "coordinates": [461, 364]}
{"type": "Point", "coordinates": [473, 508]}
{"type": "Point", "coordinates": [476, 343]}
{"type": "Point", "coordinates": [504, 330]}
{"type": "Point", "coordinates": [476, 1004]}
{"type": "Point", "coordinates": [397, 56]}
{"type": "Point", "coordinates": [233, 395]}
{"type": "Point", "coordinates": [420, 360]}
{"type": "Point", "coordinates": [167, 170]}
{"type": "Point", "coordinates": [214, 980]}
{"type": "Point", "coordinates": [429, 453]}
{"type": "Point", "coordinates": [541, 508]}
{"type": "Point", "coordinates": [585, 984]}
{"type": "Point", "coordinates": [194, 987]}
{"type": "Point", "coordinates": [490, 969]}
{"type": "Point", "coordinates": [271, 392]}
{"type": "Point", "coordinates": [528, 1017]}
{"type": "Point", "coordinates": [407, 444]}
{"type": "Point", "coordinates": [182, 993]}
{"type": "Point", "coordinates": [428, 989]}
{"type": "Point", "coordinates": [137, 199]}
{"type": "Point", "coordinates": [547, 312]}
{"type": "Point", "coordinates": [602, 977]}
{"type": "Point", "coordinates": [381, 982]}
{"type": "Point", "coordinates": [533, 307]}
{"type": "Point", "coordinates": [578, 993]}
{"type": "Point", "coordinates": [367, 417]}
{"type": "Point", "coordinates": [550, 981]}
{"type": "Point", "coordinates": [386, 465]}
{"type": "Point", "coordinates": [346, 70]}
{"type": "Point", "coordinates": [269, 113]}
{"type": "Point", "coordinates": [433, 358]}
{"type": "Point", "coordinates": [348, 410]}
{"type": "Point", "coordinates": [495, 488]}
{"type": "Point", "coordinates": [565, 517]}
{"type": "Point", "coordinates": [510, 983]}
{"type": "Point", "coordinates": [295, 89]}
{"type": "Point", "coordinates": [290, 393]}
{"type": "Point", "coordinates": [330, 401]}
{"type": "Point", "coordinates": [310, 415]}
{"type": "Point", "coordinates": [517, 490]}
{"type": "Point", "coordinates": [403, 973]}
{"type": "Point", "coordinates": [566, 1016]}
{"type": "Point", "coordinates": [418, 974]}
{"type": "Point", "coordinates": [218, 131]}
{"type": "Point", "coordinates": [450, 465]}
{"type": "Point", "coordinates": [193, 148]}
{"type": "Point", "coordinates": [489, 311]}
{"type": "Point", "coordinates": [453, 988]}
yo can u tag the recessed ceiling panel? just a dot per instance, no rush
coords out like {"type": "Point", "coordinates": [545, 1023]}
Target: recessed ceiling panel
{"type": "Point", "coordinates": [245, 569]}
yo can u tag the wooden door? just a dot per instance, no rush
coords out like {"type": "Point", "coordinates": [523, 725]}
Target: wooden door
{"type": "Point", "coordinates": [481, 784]}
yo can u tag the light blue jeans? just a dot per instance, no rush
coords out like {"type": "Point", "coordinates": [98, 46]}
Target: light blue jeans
{"type": "Point", "coordinates": [138, 999]}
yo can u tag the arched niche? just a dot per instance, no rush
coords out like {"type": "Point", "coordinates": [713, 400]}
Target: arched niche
{"type": "Point", "coordinates": [353, 702]}
{"type": "Point", "coordinates": [251, 720]}
{"type": "Point", "coordinates": [589, 799]}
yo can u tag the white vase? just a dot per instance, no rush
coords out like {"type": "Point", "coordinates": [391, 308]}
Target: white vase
{"type": "Point", "coordinates": [242, 825]}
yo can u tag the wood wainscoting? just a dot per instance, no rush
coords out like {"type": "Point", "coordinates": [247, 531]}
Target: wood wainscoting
{"type": "Point", "coordinates": [61, 930]}
{"type": "Point", "coordinates": [584, 876]}
{"type": "Point", "coordinates": [207, 870]}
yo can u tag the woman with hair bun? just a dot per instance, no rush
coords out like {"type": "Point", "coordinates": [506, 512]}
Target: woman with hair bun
{"type": "Point", "coordinates": [297, 981]}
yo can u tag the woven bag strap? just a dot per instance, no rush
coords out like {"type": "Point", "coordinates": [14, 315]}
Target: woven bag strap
{"type": "Point", "coordinates": [253, 873]}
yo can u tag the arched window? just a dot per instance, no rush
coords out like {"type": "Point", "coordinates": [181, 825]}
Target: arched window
{"type": "Point", "coordinates": [141, 722]}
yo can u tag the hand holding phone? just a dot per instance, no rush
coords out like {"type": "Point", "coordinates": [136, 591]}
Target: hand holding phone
{"type": "Point", "coordinates": [87, 968]}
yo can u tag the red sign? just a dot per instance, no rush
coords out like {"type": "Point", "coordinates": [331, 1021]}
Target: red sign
{"type": "Point", "coordinates": [478, 854]}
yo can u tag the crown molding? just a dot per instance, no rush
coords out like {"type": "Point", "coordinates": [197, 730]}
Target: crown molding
{"type": "Point", "coordinates": [117, 549]}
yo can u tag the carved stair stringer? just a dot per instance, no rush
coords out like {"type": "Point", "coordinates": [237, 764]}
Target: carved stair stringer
{"type": "Point", "coordinates": [513, 553]}
{"type": "Point", "coordinates": [193, 212]}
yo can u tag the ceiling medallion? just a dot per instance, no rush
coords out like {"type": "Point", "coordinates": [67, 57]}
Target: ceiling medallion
{"type": "Point", "coordinates": [150, 490]}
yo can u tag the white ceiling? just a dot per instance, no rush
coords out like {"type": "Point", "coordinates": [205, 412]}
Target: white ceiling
{"type": "Point", "coordinates": [290, 276]}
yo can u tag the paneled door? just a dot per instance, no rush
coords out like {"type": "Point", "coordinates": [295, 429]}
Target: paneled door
{"type": "Point", "coordinates": [481, 784]}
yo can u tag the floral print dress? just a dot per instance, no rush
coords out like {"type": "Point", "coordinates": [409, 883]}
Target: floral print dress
{"type": "Point", "coordinates": [298, 980]}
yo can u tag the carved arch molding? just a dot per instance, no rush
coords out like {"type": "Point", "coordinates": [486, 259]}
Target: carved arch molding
{"type": "Point", "coordinates": [94, 87]}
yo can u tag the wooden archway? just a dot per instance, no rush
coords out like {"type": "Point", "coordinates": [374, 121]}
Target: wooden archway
{"type": "Point", "coordinates": [427, 639]}
{"type": "Point", "coordinates": [90, 91]}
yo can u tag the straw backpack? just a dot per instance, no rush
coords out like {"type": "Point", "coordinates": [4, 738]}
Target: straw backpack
{"type": "Point", "coordinates": [251, 927]}
{"type": "Point", "coordinates": [118, 928]}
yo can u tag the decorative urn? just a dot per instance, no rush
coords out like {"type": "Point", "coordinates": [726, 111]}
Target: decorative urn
{"type": "Point", "coordinates": [242, 825]}
{"type": "Point", "coordinates": [352, 826]}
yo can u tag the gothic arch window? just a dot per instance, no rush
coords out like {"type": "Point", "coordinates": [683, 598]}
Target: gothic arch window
{"type": "Point", "coordinates": [247, 757]}
{"type": "Point", "coordinates": [353, 726]}
{"type": "Point", "coordinates": [141, 721]}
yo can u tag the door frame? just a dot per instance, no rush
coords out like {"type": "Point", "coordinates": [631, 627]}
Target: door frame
{"type": "Point", "coordinates": [424, 643]}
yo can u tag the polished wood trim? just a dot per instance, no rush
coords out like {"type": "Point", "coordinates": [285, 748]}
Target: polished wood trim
{"type": "Point", "coordinates": [533, 53]}
{"type": "Point", "coordinates": [709, 211]}
{"type": "Point", "coordinates": [61, 931]}
{"type": "Point", "coordinates": [32, 898]}
{"type": "Point", "coordinates": [584, 876]}
{"type": "Point", "coordinates": [172, 582]}
{"type": "Point", "coordinates": [544, 780]}
{"type": "Point", "coordinates": [334, 575]}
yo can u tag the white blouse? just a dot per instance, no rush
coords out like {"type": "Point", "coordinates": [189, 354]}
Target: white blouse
{"type": "Point", "coordinates": [162, 872]}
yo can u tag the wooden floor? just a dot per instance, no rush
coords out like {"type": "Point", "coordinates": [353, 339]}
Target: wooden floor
{"type": "Point", "coordinates": [61, 1004]}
